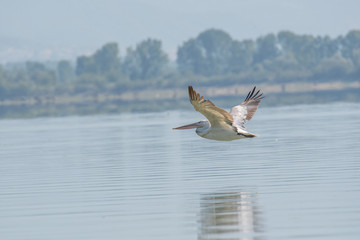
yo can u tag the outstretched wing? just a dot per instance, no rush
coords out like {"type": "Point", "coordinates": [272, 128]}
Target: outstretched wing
{"type": "Point", "coordinates": [246, 110]}
{"type": "Point", "coordinates": [216, 116]}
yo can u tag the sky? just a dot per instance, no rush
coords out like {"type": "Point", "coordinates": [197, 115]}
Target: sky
{"type": "Point", "coordinates": [53, 30]}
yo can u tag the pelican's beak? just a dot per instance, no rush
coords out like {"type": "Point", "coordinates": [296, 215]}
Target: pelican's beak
{"type": "Point", "coordinates": [193, 125]}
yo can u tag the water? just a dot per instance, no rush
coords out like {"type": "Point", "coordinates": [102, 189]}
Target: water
{"type": "Point", "coordinates": [131, 176]}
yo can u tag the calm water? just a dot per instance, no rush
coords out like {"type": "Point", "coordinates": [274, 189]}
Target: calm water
{"type": "Point", "coordinates": [131, 176]}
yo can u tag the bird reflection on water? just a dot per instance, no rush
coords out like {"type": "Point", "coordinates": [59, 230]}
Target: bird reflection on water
{"type": "Point", "coordinates": [230, 215]}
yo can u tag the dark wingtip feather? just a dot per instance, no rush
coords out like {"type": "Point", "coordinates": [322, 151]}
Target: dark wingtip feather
{"type": "Point", "coordinates": [252, 96]}
{"type": "Point", "coordinates": [247, 97]}
{"type": "Point", "coordinates": [191, 91]}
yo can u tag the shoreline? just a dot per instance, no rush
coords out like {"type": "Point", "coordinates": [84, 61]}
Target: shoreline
{"type": "Point", "coordinates": [179, 94]}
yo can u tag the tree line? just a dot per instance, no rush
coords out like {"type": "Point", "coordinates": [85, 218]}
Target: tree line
{"type": "Point", "coordinates": [211, 58]}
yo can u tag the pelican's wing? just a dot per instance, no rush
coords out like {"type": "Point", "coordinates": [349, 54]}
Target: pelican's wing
{"type": "Point", "coordinates": [246, 110]}
{"type": "Point", "coordinates": [214, 114]}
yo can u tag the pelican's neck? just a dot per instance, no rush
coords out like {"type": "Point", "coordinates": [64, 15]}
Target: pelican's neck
{"type": "Point", "coordinates": [204, 129]}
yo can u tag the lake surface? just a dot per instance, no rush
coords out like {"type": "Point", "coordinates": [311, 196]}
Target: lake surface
{"type": "Point", "coordinates": [130, 176]}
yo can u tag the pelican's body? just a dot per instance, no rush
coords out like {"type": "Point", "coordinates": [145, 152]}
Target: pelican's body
{"type": "Point", "coordinates": [222, 133]}
{"type": "Point", "coordinates": [222, 125]}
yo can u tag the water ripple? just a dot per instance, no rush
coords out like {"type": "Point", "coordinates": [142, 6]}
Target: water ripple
{"type": "Point", "coordinates": [131, 177]}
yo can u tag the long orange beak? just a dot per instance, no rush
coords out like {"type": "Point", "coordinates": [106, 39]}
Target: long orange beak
{"type": "Point", "coordinates": [193, 125]}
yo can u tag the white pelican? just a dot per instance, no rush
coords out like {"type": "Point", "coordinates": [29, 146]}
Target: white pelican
{"type": "Point", "coordinates": [222, 125]}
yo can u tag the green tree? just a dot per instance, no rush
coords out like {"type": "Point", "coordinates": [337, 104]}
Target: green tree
{"type": "Point", "coordinates": [85, 64]}
{"type": "Point", "coordinates": [302, 47]}
{"type": "Point", "coordinates": [242, 54]}
{"type": "Point", "coordinates": [190, 58]}
{"type": "Point", "coordinates": [288, 41]}
{"type": "Point", "coordinates": [326, 47]}
{"type": "Point", "coordinates": [90, 83]}
{"type": "Point", "coordinates": [3, 83]}
{"type": "Point", "coordinates": [355, 56]}
{"type": "Point", "coordinates": [266, 48]}
{"type": "Point", "coordinates": [38, 74]}
{"type": "Point", "coordinates": [65, 71]}
{"type": "Point", "coordinates": [308, 50]}
{"type": "Point", "coordinates": [107, 58]}
{"type": "Point", "coordinates": [333, 67]}
{"type": "Point", "coordinates": [209, 54]}
{"type": "Point", "coordinates": [356, 60]}
{"type": "Point", "coordinates": [350, 42]}
{"type": "Point", "coordinates": [351, 49]}
{"type": "Point", "coordinates": [147, 60]}
{"type": "Point", "coordinates": [103, 61]}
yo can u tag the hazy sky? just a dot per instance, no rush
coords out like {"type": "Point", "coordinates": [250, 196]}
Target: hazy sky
{"type": "Point", "coordinates": [62, 28]}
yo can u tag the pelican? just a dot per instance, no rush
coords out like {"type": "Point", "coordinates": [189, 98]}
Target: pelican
{"type": "Point", "coordinates": [222, 125]}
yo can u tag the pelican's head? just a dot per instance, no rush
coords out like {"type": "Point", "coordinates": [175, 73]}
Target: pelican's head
{"type": "Point", "coordinates": [200, 126]}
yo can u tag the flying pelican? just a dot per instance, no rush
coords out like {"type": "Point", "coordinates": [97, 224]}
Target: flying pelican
{"type": "Point", "coordinates": [222, 125]}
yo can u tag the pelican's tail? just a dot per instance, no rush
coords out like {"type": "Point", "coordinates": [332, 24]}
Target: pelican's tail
{"type": "Point", "coordinates": [249, 135]}
{"type": "Point", "coordinates": [246, 134]}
